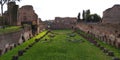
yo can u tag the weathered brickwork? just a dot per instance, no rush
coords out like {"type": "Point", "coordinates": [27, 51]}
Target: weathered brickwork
{"type": "Point", "coordinates": [26, 14]}
{"type": "Point", "coordinates": [63, 23]}
{"type": "Point", "coordinates": [109, 33]}
{"type": "Point", "coordinates": [112, 15]}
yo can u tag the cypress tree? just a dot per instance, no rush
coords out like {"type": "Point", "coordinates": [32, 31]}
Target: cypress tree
{"type": "Point", "coordinates": [78, 17]}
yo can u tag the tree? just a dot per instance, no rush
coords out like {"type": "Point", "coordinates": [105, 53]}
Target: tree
{"type": "Point", "coordinates": [83, 15]}
{"type": "Point", "coordinates": [78, 17]}
{"type": "Point", "coordinates": [97, 18]}
{"type": "Point", "coordinates": [2, 2]}
{"type": "Point", "coordinates": [88, 17]}
{"type": "Point", "coordinates": [88, 12]}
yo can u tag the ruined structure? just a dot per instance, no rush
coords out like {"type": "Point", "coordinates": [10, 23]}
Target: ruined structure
{"type": "Point", "coordinates": [112, 15]}
{"type": "Point", "coordinates": [10, 16]}
{"type": "Point", "coordinates": [18, 16]}
{"type": "Point", "coordinates": [12, 39]}
{"type": "Point", "coordinates": [63, 23]}
{"type": "Point", "coordinates": [41, 25]}
{"type": "Point", "coordinates": [109, 33]}
{"type": "Point", "coordinates": [26, 14]}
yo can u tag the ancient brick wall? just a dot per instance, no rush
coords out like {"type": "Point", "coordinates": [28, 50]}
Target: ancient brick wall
{"type": "Point", "coordinates": [106, 33]}
{"type": "Point", "coordinates": [14, 38]}
{"type": "Point", "coordinates": [112, 15]}
{"type": "Point", "coordinates": [27, 14]}
{"type": "Point", "coordinates": [63, 23]}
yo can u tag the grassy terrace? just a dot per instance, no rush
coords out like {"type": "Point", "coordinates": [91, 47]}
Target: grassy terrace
{"type": "Point", "coordinates": [9, 54]}
{"type": "Point", "coordinates": [9, 29]}
{"type": "Point", "coordinates": [61, 47]}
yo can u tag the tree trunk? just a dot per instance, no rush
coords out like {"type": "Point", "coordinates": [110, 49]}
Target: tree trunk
{"type": "Point", "coordinates": [1, 10]}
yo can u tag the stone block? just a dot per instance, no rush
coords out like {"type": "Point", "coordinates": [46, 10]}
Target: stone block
{"type": "Point", "coordinates": [110, 53]}
{"type": "Point", "coordinates": [115, 58]}
{"type": "Point", "coordinates": [105, 50]}
{"type": "Point", "coordinates": [15, 57]}
{"type": "Point", "coordinates": [20, 52]}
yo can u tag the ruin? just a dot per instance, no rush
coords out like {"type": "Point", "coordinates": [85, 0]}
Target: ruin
{"type": "Point", "coordinates": [63, 23]}
{"type": "Point", "coordinates": [26, 14]}
{"type": "Point", "coordinates": [112, 15]}
{"type": "Point", "coordinates": [104, 32]}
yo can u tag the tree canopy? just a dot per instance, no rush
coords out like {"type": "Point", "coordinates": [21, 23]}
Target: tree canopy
{"type": "Point", "coordinates": [88, 17]}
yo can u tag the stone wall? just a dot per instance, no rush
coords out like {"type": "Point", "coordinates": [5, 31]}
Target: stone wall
{"type": "Point", "coordinates": [15, 38]}
{"type": "Point", "coordinates": [63, 23]}
{"type": "Point", "coordinates": [27, 14]}
{"type": "Point", "coordinates": [108, 33]}
{"type": "Point", "coordinates": [112, 15]}
{"type": "Point", "coordinates": [41, 26]}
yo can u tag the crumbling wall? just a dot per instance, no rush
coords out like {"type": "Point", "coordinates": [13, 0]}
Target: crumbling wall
{"type": "Point", "coordinates": [105, 33]}
{"type": "Point", "coordinates": [9, 40]}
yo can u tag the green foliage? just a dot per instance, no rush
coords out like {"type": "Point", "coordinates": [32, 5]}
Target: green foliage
{"type": "Point", "coordinates": [96, 18]}
{"type": "Point", "coordinates": [87, 17]}
{"type": "Point", "coordinates": [88, 12]}
{"type": "Point", "coordinates": [78, 17]}
{"type": "Point", "coordinates": [83, 15]}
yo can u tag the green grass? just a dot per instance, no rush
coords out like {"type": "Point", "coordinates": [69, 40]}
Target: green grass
{"type": "Point", "coordinates": [9, 29]}
{"type": "Point", "coordinates": [59, 48]}
{"type": "Point", "coordinates": [9, 54]}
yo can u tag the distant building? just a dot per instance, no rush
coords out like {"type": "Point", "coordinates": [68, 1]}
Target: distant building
{"type": "Point", "coordinates": [18, 16]}
{"type": "Point", "coordinates": [63, 23]}
{"type": "Point", "coordinates": [26, 14]}
{"type": "Point", "coordinates": [66, 20]}
{"type": "Point", "coordinates": [112, 15]}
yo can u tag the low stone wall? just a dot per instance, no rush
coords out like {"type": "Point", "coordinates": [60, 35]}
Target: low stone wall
{"type": "Point", "coordinates": [103, 33]}
{"type": "Point", "coordinates": [61, 26]}
{"type": "Point", "coordinates": [10, 40]}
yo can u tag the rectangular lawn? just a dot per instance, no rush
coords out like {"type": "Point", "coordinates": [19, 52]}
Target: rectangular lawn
{"type": "Point", "coordinates": [64, 47]}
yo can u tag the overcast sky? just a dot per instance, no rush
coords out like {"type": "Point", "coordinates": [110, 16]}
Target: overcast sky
{"type": "Point", "coordinates": [48, 9]}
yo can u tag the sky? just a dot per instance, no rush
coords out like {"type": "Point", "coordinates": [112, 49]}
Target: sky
{"type": "Point", "coordinates": [48, 9]}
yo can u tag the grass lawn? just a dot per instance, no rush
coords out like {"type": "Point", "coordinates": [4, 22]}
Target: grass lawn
{"type": "Point", "coordinates": [9, 29]}
{"type": "Point", "coordinates": [63, 47]}
{"type": "Point", "coordinates": [9, 54]}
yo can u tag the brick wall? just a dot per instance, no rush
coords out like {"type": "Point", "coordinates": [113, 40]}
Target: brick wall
{"type": "Point", "coordinates": [104, 32]}
{"type": "Point", "coordinates": [14, 38]}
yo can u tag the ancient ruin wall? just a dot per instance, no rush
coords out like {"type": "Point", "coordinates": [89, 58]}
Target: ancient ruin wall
{"type": "Point", "coordinates": [27, 14]}
{"type": "Point", "coordinates": [14, 38]}
{"type": "Point", "coordinates": [106, 33]}
{"type": "Point", "coordinates": [112, 15]}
